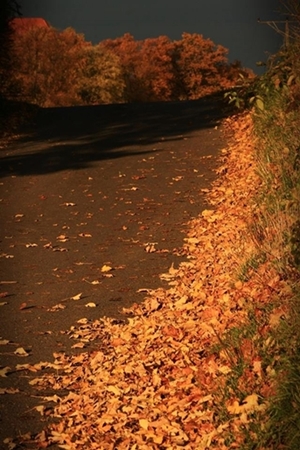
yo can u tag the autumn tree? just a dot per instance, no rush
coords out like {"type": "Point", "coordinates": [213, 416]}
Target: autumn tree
{"type": "Point", "coordinates": [47, 64]}
{"type": "Point", "coordinates": [127, 50]}
{"type": "Point", "coordinates": [198, 66]}
{"type": "Point", "coordinates": [155, 69]}
{"type": "Point", "coordinates": [146, 67]}
{"type": "Point", "coordinates": [100, 79]}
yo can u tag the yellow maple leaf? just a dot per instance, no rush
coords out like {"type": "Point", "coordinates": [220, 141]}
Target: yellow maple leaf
{"type": "Point", "coordinates": [144, 423]}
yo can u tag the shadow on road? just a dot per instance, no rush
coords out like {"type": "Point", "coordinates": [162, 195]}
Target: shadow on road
{"type": "Point", "coordinates": [73, 138]}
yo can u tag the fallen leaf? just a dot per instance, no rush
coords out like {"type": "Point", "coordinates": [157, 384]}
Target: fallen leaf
{"type": "Point", "coordinates": [91, 305]}
{"type": "Point", "coordinates": [3, 303]}
{"type": "Point", "coordinates": [22, 367]}
{"type": "Point", "coordinates": [154, 304]}
{"type": "Point", "coordinates": [9, 391]}
{"type": "Point", "coordinates": [114, 390]}
{"type": "Point", "coordinates": [77, 297]}
{"type": "Point", "coordinates": [5, 255]}
{"type": "Point", "coordinates": [4, 341]}
{"type": "Point", "coordinates": [4, 371]}
{"type": "Point", "coordinates": [80, 263]}
{"type": "Point", "coordinates": [10, 444]}
{"type": "Point", "coordinates": [53, 398]}
{"type": "Point", "coordinates": [30, 245]}
{"type": "Point", "coordinates": [62, 238]}
{"type": "Point", "coordinates": [106, 268]}
{"type": "Point", "coordinates": [150, 247]}
{"type": "Point", "coordinates": [83, 321]}
{"type": "Point", "coordinates": [78, 345]}
{"type": "Point", "coordinates": [40, 409]}
{"type": "Point", "coordinates": [57, 307]}
{"type": "Point", "coordinates": [144, 423]}
{"type": "Point", "coordinates": [23, 306]}
{"type": "Point", "coordinates": [144, 290]}
{"type": "Point", "coordinates": [92, 282]}
{"type": "Point", "coordinates": [20, 351]}
{"type": "Point", "coordinates": [207, 212]}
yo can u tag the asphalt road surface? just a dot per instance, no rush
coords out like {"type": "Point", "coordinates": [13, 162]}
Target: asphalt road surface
{"type": "Point", "coordinates": [84, 190]}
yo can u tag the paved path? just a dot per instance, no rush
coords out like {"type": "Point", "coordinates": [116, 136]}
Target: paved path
{"type": "Point", "coordinates": [85, 188]}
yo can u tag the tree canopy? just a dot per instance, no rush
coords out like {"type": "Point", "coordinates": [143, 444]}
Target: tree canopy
{"type": "Point", "coordinates": [59, 68]}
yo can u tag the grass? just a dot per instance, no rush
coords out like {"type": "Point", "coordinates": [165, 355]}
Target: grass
{"type": "Point", "coordinates": [275, 235]}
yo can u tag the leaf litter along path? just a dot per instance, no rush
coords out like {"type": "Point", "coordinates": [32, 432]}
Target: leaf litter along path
{"type": "Point", "coordinates": [159, 382]}
{"type": "Point", "coordinates": [95, 201]}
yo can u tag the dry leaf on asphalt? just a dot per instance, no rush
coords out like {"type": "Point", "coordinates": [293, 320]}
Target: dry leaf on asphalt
{"type": "Point", "coordinates": [20, 351]}
{"type": "Point", "coordinates": [77, 297]}
{"type": "Point", "coordinates": [57, 307]}
{"type": "Point", "coordinates": [94, 282]}
{"type": "Point", "coordinates": [105, 268]}
{"type": "Point", "coordinates": [68, 204]}
{"type": "Point", "coordinates": [9, 391]}
{"type": "Point", "coordinates": [4, 371]}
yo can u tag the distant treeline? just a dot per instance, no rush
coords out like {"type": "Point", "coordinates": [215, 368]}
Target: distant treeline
{"type": "Point", "coordinates": [59, 68]}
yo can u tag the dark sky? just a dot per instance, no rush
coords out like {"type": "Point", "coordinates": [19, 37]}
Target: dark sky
{"type": "Point", "coordinates": [231, 23]}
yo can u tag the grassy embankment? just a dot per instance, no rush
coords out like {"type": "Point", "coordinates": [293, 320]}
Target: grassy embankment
{"type": "Point", "coordinates": [275, 231]}
{"type": "Point", "coordinates": [213, 361]}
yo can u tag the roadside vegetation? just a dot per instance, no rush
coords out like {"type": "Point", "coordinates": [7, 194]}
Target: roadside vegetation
{"type": "Point", "coordinates": [275, 231]}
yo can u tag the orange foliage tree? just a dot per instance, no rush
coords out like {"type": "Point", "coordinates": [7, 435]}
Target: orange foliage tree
{"type": "Point", "coordinates": [146, 66]}
{"type": "Point", "coordinates": [127, 50]}
{"type": "Point", "coordinates": [47, 64]}
{"type": "Point", "coordinates": [156, 68]}
{"type": "Point", "coordinates": [199, 66]}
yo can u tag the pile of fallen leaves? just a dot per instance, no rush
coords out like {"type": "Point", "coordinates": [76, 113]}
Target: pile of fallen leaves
{"type": "Point", "coordinates": [176, 375]}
